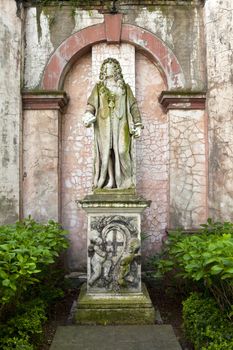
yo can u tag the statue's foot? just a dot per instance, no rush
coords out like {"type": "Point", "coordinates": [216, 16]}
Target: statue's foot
{"type": "Point", "coordinates": [109, 184]}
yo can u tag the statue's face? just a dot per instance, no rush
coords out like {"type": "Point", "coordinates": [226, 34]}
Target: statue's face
{"type": "Point", "coordinates": [110, 69]}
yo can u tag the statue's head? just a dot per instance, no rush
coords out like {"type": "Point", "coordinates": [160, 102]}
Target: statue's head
{"type": "Point", "coordinates": [95, 237]}
{"type": "Point", "coordinates": [111, 68]}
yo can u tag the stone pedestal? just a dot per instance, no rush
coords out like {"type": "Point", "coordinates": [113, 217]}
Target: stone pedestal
{"type": "Point", "coordinates": [114, 294]}
{"type": "Point", "coordinates": [114, 308]}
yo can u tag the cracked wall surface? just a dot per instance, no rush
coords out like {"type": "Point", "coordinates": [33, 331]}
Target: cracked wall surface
{"type": "Point", "coordinates": [10, 110]}
{"type": "Point", "coordinates": [187, 168]}
{"type": "Point", "coordinates": [40, 165]}
{"type": "Point", "coordinates": [152, 154]}
{"type": "Point", "coordinates": [77, 160]}
{"type": "Point", "coordinates": [219, 41]}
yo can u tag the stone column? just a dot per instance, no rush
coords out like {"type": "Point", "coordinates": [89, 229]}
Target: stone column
{"type": "Point", "coordinates": [41, 166]}
{"type": "Point", "coordinates": [219, 43]}
{"type": "Point", "coordinates": [10, 109]}
{"type": "Point", "coordinates": [187, 158]}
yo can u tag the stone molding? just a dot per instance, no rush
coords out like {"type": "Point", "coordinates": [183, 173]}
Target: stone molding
{"type": "Point", "coordinates": [117, 202]}
{"type": "Point", "coordinates": [182, 100]}
{"type": "Point", "coordinates": [80, 42]}
{"type": "Point", "coordinates": [45, 100]}
{"type": "Point", "coordinates": [113, 24]}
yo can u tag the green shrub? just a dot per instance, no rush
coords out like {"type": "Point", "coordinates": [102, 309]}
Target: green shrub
{"type": "Point", "coordinates": [16, 344]}
{"type": "Point", "coordinates": [26, 325]}
{"type": "Point", "coordinates": [205, 257]}
{"type": "Point", "coordinates": [29, 319]}
{"type": "Point", "coordinates": [26, 249]}
{"type": "Point", "coordinates": [204, 324]}
{"type": "Point", "coordinates": [29, 280]}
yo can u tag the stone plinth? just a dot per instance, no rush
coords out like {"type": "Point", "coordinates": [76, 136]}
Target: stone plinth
{"type": "Point", "coordinates": [118, 308]}
{"type": "Point", "coordinates": [114, 294]}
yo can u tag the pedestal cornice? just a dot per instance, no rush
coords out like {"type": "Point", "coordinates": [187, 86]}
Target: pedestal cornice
{"type": "Point", "coordinates": [114, 202]}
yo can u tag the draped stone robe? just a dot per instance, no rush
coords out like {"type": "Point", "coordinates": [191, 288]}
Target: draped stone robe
{"type": "Point", "coordinates": [116, 117]}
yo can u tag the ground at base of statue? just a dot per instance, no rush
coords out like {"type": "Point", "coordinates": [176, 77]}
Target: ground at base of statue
{"type": "Point", "coordinates": [152, 337]}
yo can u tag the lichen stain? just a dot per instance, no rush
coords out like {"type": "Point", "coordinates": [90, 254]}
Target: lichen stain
{"type": "Point", "coordinates": [39, 30]}
{"type": "Point", "coordinates": [182, 36]}
{"type": "Point", "coordinates": [175, 217]}
{"type": "Point", "coordinates": [215, 155]}
{"type": "Point", "coordinates": [6, 39]}
{"type": "Point", "coordinates": [8, 210]}
{"type": "Point", "coordinates": [61, 23]}
{"type": "Point", "coordinates": [5, 156]}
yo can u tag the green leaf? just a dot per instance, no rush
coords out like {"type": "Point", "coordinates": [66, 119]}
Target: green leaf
{"type": "Point", "coordinates": [6, 282]}
{"type": "Point", "coordinates": [229, 271]}
{"type": "Point", "coordinates": [216, 269]}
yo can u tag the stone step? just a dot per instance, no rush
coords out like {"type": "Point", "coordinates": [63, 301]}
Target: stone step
{"type": "Point", "coordinates": [152, 337]}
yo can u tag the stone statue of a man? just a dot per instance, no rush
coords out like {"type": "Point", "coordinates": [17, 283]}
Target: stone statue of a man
{"type": "Point", "coordinates": [113, 110]}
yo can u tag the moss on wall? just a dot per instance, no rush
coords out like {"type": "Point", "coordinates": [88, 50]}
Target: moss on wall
{"type": "Point", "coordinates": [8, 209]}
{"type": "Point", "coordinates": [106, 5]}
{"type": "Point", "coordinates": [61, 23]}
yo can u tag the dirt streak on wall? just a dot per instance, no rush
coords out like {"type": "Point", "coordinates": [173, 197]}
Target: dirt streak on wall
{"type": "Point", "coordinates": [219, 41]}
{"type": "Point", "coordinates": [10, 110]}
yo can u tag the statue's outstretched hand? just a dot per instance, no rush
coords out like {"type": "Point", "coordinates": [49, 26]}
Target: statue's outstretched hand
{"type": "Point", "coordinates": [88, 119]}
{"type": "Point", "coordinates": [137, 131]}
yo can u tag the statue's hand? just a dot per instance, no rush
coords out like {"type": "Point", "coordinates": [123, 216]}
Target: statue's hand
{"type": "Point", "coordinates": [137, 131]}
{"type": "Point", "coordinates": [88, 119]}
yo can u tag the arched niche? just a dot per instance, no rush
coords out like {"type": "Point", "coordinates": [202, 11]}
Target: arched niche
{"type": "Point", "coordinates": [77, 154]}
{"type": "Point", "coordinates": [80, 42]}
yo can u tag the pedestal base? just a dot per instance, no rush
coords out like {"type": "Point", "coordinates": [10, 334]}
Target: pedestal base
{"type": "Point", "coordinates": [107, 309]}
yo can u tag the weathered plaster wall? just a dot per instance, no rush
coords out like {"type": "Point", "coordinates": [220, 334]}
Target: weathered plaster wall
{"type": "Point", "coordinates": [77, 160]}
{"type": "Point", "coordinates": [10, 110]}
{"type": "Point", "coordinates": [180, 27]}
{"type": "Point", "coordinates": [219, 40]}
{"type": "Point", "coordinates": [45, 29]}
{"type": "Point", "coordinates": [38, 46]}
{"type": "Point", "coordinates": [40, 165]}
{"type": "Point", "coordinates": [152, 154]}
{"type": "Point", "coordinates": [187, 168]}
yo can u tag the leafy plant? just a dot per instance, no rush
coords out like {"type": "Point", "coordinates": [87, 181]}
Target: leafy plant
{"type": "Point", "coordinates": [205, 325]}
{"type": "Point", "coordinates": [26, 249]}
{"type": "Point", "coordinates": [30, 280]}
{"type": "Point", "coordinates": [16, 343]}
{"type": "Point", "coordinates": [28, 319]}
{"type": "Point", "coordinates": [205, 258]}
{"type": "Point", "coordinates": [25, 325]}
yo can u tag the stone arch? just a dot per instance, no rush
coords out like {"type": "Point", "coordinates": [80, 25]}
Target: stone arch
{"type": "Point", "coordinates": [80, 42]}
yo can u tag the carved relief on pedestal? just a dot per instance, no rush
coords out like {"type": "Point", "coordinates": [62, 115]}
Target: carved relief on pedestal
{"type": "Point", "coordinates": [114, 253]}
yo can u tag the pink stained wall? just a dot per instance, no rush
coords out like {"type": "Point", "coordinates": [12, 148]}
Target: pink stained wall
{"type": "Point", "coordinates": [77, 157]}
{"type": "Point", "coordinates": [152, 154]}
{"type": "Point", "coordinates": [77, 160]}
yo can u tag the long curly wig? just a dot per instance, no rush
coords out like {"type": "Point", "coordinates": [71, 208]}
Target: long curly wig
{"type": "Point", "coordinates": [118, 76]}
